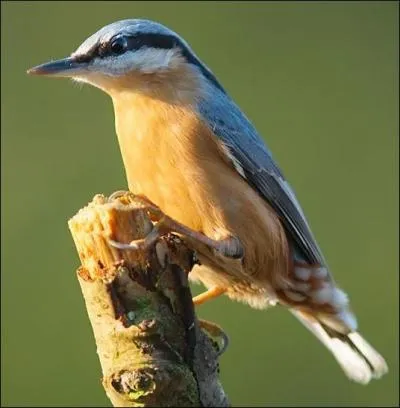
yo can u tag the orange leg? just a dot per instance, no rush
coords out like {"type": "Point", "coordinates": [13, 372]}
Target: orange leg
{"type": "Point", "coordinates": [211, 293]}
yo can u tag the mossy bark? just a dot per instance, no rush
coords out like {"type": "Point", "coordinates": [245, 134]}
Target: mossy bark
{"type": "Point", "coordinates": [152, 349]}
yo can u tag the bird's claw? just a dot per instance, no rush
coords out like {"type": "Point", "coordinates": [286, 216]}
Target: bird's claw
{"type": "Point", "coordinates": [229, 247]}
{"type": "Point", "coordinates": [134, 245]}
{"type": "Point", "coordinates": [153, 210]}
{"type": "Point", "coordinates": [143, 244]}
{"type": "Point", "coordinates": [217, 334]}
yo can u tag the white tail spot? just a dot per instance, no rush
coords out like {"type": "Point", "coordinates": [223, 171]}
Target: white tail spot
{"type": "Point", "coordinates": [324, 294]}
{"type": "Point", "coordinates": [302, 273]}
{"type": "Point", "coordinates": [339, 298]}
{"type": "Point", "coordinates": [350, 359]}
{"type": "Point", "coordinates": [320, 273]}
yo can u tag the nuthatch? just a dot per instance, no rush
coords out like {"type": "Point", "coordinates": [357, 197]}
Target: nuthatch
{"type": "Point", "coordinates": [190, 150]}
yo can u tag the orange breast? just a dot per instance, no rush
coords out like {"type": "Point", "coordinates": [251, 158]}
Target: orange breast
{"type": "Point", "coordinates": [173, 158]}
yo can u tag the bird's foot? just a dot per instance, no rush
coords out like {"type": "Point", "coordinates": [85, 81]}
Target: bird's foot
{"type": "Point", "coordinates": [229, 247]}
{"type": "Point", "coordinates": [216, 333]}
{"type": "Point", "coordinates": [153, 212]}
{"type": "Point", "coordinates": [138, 244]}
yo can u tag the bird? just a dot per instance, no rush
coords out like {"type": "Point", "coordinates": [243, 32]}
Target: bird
{"type": "Point", "coordinates": [193, 155]}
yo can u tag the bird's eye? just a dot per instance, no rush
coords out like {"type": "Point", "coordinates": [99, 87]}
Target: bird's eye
{"type": "Point", "coordinates": [118, 46]}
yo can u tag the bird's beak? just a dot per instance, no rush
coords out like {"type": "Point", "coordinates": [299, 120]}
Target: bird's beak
{"type": "Point", "coordinates": [67, 67]}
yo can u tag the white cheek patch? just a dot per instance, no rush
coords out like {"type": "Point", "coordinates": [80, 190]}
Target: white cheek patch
{"type": "Point", "coordinates": [81, 80]}
{"type": "Point", "coordinates": [146, 60]}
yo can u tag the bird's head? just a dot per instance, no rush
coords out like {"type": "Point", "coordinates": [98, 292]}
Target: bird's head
{"type": "Point", "coordinates": [130, 54]}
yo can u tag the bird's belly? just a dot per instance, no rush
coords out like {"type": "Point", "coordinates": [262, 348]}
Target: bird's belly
{"type": "Point", "coordinates": [169, 190]}
{"type": "Point", "coordinates": [216, 201]}
{"type": "Point", "coordinates": [184, 170]}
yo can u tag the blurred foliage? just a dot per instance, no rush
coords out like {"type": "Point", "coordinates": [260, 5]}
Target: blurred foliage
{"type": "Point", "coordinates": [319, 80]}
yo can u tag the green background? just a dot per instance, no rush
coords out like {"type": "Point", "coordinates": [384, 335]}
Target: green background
{"type": "Point", "coordinates": [320, 82]}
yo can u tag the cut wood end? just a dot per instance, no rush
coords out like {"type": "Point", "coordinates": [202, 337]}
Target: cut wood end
{"type": "Point", "coordinates": [119, 218]}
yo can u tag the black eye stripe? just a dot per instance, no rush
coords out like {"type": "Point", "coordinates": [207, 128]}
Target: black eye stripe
{"type": "Point", "coordinates": [137, 42]}
{"type": "Point", "coordinates": [152, 40]}
{"type": "Point", "coordinates": [159, 41]}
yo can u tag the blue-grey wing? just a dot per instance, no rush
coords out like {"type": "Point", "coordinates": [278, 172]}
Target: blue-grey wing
{"type": "Point", "coordinates": [236, 132]}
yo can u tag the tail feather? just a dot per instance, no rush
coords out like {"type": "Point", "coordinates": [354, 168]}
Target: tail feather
{"type": "Point", "coordinates": [358, 359]}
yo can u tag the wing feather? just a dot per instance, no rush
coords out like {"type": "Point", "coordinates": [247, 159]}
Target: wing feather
{"type": "Point", "coordinates": [260, 170]}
